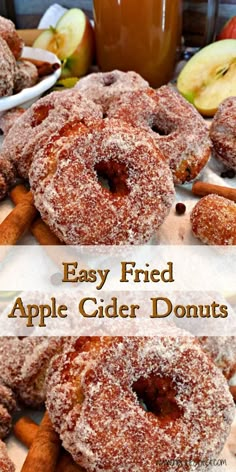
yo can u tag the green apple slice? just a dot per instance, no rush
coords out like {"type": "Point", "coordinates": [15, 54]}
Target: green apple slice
{"type": "Point", "coordinates": [210, 76]}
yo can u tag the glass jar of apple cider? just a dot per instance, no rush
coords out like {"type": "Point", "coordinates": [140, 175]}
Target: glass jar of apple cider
{"type": "Point", "coordinates": [139, 35]}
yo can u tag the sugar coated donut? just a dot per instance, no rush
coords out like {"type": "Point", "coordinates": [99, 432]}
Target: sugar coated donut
{"type": "Point", "coordinates": [213, 220]}
{"type": "Point", "coordinates": [7, 69]}
{"type": "Point", "coordinates": [6, 465]}
{"type": "Point", "coordinates": [103, 87]}
{"type": "Point", "coordinates": [222, 350]}
{"type": "Point", "coordinates": [66, 182]}
{"type": "Point", "coordinates": [26, 75]}
{"type": "Point", "coordinates": [9, 34]}
{"type": "Point", "coordinates": [223, 132]}
{"type": "Point", "coordinates": [136, 404]}
{"type": "Point", "coordinates": [8, 118]}
{"type": "Point", "coordinates": [178, 129]}
{"type": "Point", "coordinates": [24, 363]}
{"type": "Point", "coordinates": [42, 121]}
{"type": "Point", "coordinates": [7, 176]}
{"type": "Point", "coordinates": [7, 406]}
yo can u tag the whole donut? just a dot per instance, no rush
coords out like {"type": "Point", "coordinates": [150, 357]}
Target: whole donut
{"type": "Point", "coordinates": [42, 121]}
{"type": "Point", "coordinates": [24, 363]}
{"type": "Point", "coordinates": [7, 69]}
{"type": "Point", "coordinates": [9, 34]}
{"type": "Point", "coordinates": [222, 350]}
{"type": "Point", "coordinates": [178, 129]}
{"type": "Point", "coordinates": [136, 404]}
{"type": "Point", "coordinates": [213, 220]}
{"type": "Point", "coordinates": [103, 87]}
{"type": "Point", "coordinates": [6, 465]}
{"type": "Point", "coordinates": [223, 133]}
{"type": "Point", "coordinates": [7, 176]}
{"type": "Point", "coordinates": [73, 202]}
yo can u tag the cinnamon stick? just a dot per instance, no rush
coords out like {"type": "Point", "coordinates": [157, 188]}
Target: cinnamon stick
{"type": "Point", "coordinates": [233, 391]}
{"type": "Point", "coordinates": [38, 228]}
{"type": "Point", "coordinates": [26, 430]}
{"type": "Point", "coordinates": [44, 451]}
{"type": "Point", "coordinates": [204, 188]}
{"type": "Point", "coordinates": [44, 67]}
{"type": "Point", "coordinates": [18, 221]}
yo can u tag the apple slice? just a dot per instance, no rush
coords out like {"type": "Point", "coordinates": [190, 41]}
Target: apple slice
{"type": "Point", "coordinates": [209, 77]}
{"type": "Point", "coordinates": [72, 40]}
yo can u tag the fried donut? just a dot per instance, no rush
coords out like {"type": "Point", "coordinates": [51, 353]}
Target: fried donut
{"type": "Point", "coordinates": [24, 363]}
{"type": "Point", "coordinates": [7, 176]}
{"type": "Point", "coordinates": [42, 121]}
{"type": "Point", "coordinates": [26, 75]}
{"type": "Point", "coordinates": [8, 118]}
{"type": "Point", "coordinates": [7, 69]}
{"type": "Point", "coordinates": [222, 350]}
{"type": "Point", "coordinates": [223, 133]}
{"type": "Point", "coordinates": [6, 465]}
{"type": "Point", "coordinates": [65, 181]}
{"type": "Point", "coordinates": [137, 404]}
{"type": "Point", "coordinates": [7, 407]}
{"type": "Point", "coordinates": [213, 220]}
{"type": "Point", "coordinates": [178, 129]}
{"type": "Point", "coordinates": [103, 87]}
{"type": "Point", "coordinates": [9, 34]}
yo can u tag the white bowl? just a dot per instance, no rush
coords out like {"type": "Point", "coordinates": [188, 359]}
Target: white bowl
{"type": "Point", "coordinates": [32, 93]}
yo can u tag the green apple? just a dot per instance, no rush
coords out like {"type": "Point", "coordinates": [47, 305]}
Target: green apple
{"type": "Point", "coordinates": [209, 77]}
{"type": "Point", "coordinates": [72, 40]}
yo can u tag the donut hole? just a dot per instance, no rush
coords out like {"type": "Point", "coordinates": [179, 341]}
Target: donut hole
{"type": "Point", "coordinates": [112, 176]}
{"type": "Point", "coordinates": [156, 128]}
{"type": "Point", "coordinates": [40, 114]}
{"type": "Point", "coordinates": [157, 395]}
{"type": "Point", "coordinates": [109, 80]}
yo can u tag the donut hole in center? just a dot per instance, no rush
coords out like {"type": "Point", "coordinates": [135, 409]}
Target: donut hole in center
{"type": "Point", "coordinates": [112, 176]}
{"type": "Point", "coordinates": [158, 129]}
{"type": "Point", "coordinates": [40, 114]}
{"type": "Point", "coordinates": [109, 80]}
{"type": "Point", "coordinates": [157, 395]}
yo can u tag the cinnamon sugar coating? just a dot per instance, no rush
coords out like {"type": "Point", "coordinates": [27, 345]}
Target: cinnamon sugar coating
{"type": "Point", "coordinates": [178, 129]}
{"type": "Point", "coordinates": [103, 87]}
{"type": "Point", "coordinates": [7, 176]}
{"type": "Point", "coordinates": [223, 133]}
{"type": "Point", "coordinates": [6, 465]}
{"type": "Point", "coordinates": [42, 121]}
{"type": "Point", "coordinates": [68, 192]}
{"type": "Point", "coordinates": [213, 220]}
{"type": "Point", "coordinates": [9, 34]}
{"type": "Point", "coordinates": [135, 404]}
{"type": "Point", "coordinates": [7, 406]}
{"type": "Point", "coordinates": [7, 69]}
{"type": "Point", "coordinates": [26, 75]}
{"type": "Point", "coordinates": [24, 363]}
{"type": "Point", "coordinates": [222, 350]}
{"type": "Point", "coordinates": [8, 118]}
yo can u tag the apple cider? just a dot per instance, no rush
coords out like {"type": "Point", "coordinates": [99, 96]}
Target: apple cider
{"type": "Point", "coordinates": [139, 35]}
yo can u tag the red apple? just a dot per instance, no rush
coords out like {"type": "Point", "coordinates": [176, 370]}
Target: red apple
{"type": "Point", "coordinates": [229, 30]}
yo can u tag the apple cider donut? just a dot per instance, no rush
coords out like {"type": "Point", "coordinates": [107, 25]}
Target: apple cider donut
{"type": "Point", "coordinates": [103, 87]}
{"type": "Point", "coordinates": [213, 220]}
{"type": "Point", "coordinates": [7, 69]}
{"type": "Point", "coordinates": [7, 407]}
{"type": "Point", "coordinates": [178, 129]}
{"type": "Point", "coordinates": [7, 176]}
{"type": "Point", "coordinates": [26, 75]}
{"type": "Point", "coordinates": [45, 118]}
{"type": "Point", "coordinates": [8, 118]}
{"type": "Point", "coordinates": [6, 465]}
{"type": "Point", "coordinates": [222, 350]}
{"type": "Point", "coordinates": [9, 34]}
{"type": "Point", "coordinates": [66, 180]}
{"type": "Point", "coordinates": [24, 363]}
{"type": "Point", "coordinates": [137, 403]}
{"type": "Point", "coordinates": [223, 133]}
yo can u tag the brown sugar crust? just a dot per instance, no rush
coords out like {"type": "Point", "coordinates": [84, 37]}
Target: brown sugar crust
{"type": "Point", "coordinates": [213, 220]}
{"type": "Point", "coordinates": [7, 69]}
{"type": "Point", "coordinates": [103, 87]}
{"type": "Point", "coordinates": [136, 403]}
{"type": "Point", "coordinates": [7, 176]}
{"type": "Point", "coordinates": [223, 133]}
{"type": "Point", "coordinates": [26, 75]}
{"type": "Point", "coordinates": [66, 183]}
{"type": "Point", "coordinates": [178, 129]}
{"type": "Point", "coordinates": [9, 34]}
{"type": "Point", "coordinates": [42, 121]}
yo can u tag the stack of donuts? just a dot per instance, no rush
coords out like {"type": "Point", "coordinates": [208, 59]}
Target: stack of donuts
{"type": "Point", "coordinates": [121, 403]}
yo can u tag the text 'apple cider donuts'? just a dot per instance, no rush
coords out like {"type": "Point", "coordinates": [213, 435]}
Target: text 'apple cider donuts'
{"type": "Point", "coordinates": [213, 220]}
{"type": "Point", "coordinates": [67, 183]}
{"type": "Point", "coordinates": [178, 129]}
{"type": "Point", "coordinates": [223, 133]}
{"type": "Point", "coordinates": [137, 403]}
